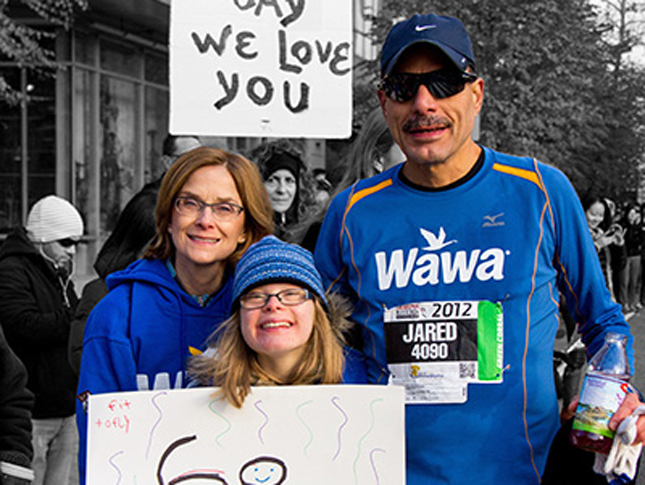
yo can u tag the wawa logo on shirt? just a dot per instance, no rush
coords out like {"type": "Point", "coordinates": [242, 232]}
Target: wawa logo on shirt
{"type": "Point", "coordinates": [429, 265]}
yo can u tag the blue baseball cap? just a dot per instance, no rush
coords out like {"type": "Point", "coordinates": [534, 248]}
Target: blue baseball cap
{"type": "Point", "coordinates": [446, 33]}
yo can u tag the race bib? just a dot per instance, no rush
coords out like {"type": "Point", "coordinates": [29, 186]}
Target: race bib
{"type": "Point", "coordinates": [435, 349]}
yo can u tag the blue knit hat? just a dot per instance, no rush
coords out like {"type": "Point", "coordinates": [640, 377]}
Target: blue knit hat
{"type": "Point", "coordinates": [271, 260]}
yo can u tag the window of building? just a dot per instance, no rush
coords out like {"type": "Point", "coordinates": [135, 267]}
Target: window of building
{"type": "Point", "coordinates": [120, 118]}
{"type": "Point", "coordinates": [91, 134]}
{"type": "Point", "coordinates": [27, 145]}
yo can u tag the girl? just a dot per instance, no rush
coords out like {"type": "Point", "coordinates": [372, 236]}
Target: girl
{"type": "Point", "coordinates": [283, 328]}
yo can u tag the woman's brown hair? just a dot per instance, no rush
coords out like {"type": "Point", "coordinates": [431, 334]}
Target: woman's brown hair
{"type": "Point", "coordinates": [257, 208]}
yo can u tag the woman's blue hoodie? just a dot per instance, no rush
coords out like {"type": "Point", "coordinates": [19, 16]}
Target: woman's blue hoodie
{"type": "Point", "coordinates": [139, 336]}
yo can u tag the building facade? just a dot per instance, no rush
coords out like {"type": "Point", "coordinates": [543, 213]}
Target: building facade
{"type": "Point", "coordinates": [93, 132]}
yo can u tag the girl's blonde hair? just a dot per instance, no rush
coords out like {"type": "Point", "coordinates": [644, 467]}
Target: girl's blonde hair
{"type": "Point", "coordinates": [235, 367]}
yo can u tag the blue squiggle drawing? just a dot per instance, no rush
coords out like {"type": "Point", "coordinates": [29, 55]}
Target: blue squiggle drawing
{"type": "Point", "coordinates": [118, 470]}
{"type": "Point", "coordinates": [360, 442]}
{"type": "Point", "coordinates": [154, 426]}
{"type": "Point", "coordinates": [340, 428]}
{"type": "Point", "coordinates": [378, 479]}
{"type": "Point", "coordinates": [311, 435]}
{"type": "Point", "coordinates": [210, 406]}
{"type": "Point", "coordinates": [266, 419]}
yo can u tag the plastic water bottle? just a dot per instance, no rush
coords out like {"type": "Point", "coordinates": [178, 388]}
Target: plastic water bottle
{"type": "Point", "coordinates": [604, 389]}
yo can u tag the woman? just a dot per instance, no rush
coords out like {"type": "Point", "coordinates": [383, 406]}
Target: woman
{"type": "Point", "coordinates": [283, 173]}
{"type": "Point", "coordinates": [603, 232]}
{"type": "Point", "coordinates": [284, 329]}
{"type": "Point", "coordinates": [630, 277]}
{"type": "Point", "coordinates": [211, 207]}
{"type": "Point", "coordinates": [372, 152]}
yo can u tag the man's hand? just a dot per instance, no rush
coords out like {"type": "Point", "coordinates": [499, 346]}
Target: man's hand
{"type": "Point", "coordinates": [630, 403]}
{"type": "Point", "coordinates": [569, 412]}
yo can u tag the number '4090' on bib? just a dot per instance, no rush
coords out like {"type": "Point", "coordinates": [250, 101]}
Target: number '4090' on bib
{"type": "Point", "coordinates": [435, 349]}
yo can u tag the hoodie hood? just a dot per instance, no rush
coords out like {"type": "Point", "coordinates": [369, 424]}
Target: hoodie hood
{"type": "Point", "coordinates": [339, 311]}
{"type": "Point", "coordinates": [155, 273]}
{"type": "Point", "coordinates": [18, 244]}
{"type": "Point", "coordinates": [143, 271]}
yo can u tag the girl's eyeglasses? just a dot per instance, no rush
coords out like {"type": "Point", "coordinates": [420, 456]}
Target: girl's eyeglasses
{"type": "Point", "coordinates": [289, 297]}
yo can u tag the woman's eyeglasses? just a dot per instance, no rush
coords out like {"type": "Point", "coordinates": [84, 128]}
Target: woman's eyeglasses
{"type": "Point", "coordinates": [222, 211]}
{"type": "Point", "coordinates": [444, 83]}
{"type": "Point", "coordinates": [290, 297]}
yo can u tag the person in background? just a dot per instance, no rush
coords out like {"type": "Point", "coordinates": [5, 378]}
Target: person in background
{"type": "Point", "coordinates": [134, 230]}
{"type": "Point", "coordinates": [283, 172]}
{"type": "Point", "coordinates": [173, 147]}
{"type": "Point", "coordinates": [604, 233]}
{"type": "Point", "coordinates": [323, 187]}
{"type": "Point", "coordinates": [630, 278]}
{"type": "Point", "coordinates": [284, 329]}
{"type": "Point", "coordinates": [37, 305]}
{"type": "Point", "coordinates": [617, 249]}
{"type": "Point", "coordinates": [455, 257]}
{"type": "Point", "coordinates": [16, 402]}
{"type": "Point", "coordinates": [642, 295]}
{"type": "Point", "coordinates": [160, 310]}
{"type": "Point", "coordinates": [370, 153]}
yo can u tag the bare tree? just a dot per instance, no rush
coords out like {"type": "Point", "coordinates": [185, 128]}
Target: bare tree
{"type": "Point", "coordinates": [624, 28]}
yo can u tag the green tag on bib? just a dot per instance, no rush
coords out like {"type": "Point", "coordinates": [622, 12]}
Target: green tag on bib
{"type": "Point", "coordinates": [490, 341]}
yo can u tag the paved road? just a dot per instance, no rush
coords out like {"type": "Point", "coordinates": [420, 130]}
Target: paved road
{"type": "Point", "coordinates": [637, 323]}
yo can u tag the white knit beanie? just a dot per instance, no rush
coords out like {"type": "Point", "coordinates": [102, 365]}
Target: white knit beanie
{"type": "Point", "coordinates": [53, 219]}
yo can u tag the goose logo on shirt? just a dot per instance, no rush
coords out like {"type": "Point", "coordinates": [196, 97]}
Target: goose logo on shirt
{"type": "Point", "coordinates": [436, 242]}
{"type": "Point", "coordinates": [425, 265]}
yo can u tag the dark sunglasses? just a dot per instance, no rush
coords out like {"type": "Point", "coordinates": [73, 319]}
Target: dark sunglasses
{"type": "Point", "coordinates": [67, 243]}
{"type": "Point", "coordinates": [444, 83]}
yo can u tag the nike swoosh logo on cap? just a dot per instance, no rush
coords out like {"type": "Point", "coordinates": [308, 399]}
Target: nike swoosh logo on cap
{"type": "Point", "coordinates": [421, 28]}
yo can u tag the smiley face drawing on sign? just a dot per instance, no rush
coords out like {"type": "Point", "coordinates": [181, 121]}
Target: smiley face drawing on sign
{"type": "Point", "coordinates": [263, 470]}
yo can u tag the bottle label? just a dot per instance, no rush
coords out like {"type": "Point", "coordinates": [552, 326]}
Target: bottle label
{"type": "Point", "coordinates": [600, 398]}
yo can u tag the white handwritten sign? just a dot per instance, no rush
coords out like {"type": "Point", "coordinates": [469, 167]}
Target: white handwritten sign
{"type": "Point", "coordinates": [294, 435]}
{"type": "Point", "coordinates": [278, 68]}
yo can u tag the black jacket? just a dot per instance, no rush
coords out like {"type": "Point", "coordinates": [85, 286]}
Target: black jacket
{"type": "Point", "coordinates": [93, 292]}
{"type": "Point", "coordinates": [15, 408]}
{"type": "Point", "coordinates": [36, 308]}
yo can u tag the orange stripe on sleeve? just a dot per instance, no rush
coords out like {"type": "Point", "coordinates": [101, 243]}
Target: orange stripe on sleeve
{"type": "Point", "coordinates": [365, 192]}
{"type": "Point", "coordinates": [518, 172]}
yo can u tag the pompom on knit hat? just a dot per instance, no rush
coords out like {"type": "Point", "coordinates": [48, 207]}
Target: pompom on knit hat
{"type": "Point", "coordinates": [271, 260]}
{"type": "Point", "coordinates": [52, 219]}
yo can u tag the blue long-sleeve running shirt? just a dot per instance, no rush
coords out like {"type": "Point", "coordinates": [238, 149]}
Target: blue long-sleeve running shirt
{"type": "Point", "coordinates": [457, 293]}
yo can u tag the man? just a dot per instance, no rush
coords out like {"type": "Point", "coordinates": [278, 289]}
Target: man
{"type": "Point", "coordinates": [174, 146]}
{"type": "Point", "coordinates": [453, 260]}
{"type": "Point", "coordinates": [37, 304]}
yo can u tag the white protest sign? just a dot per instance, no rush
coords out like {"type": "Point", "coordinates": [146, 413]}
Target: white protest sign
{"type": "Point", "coordinates": [265, 68]}
{"type": "Point", "coordinates": [314, 435]}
